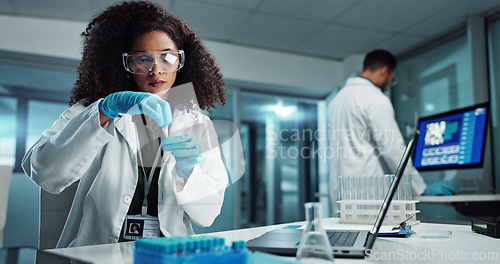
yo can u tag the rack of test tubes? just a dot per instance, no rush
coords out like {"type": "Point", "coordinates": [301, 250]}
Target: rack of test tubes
{"type": "Point", "coordinates": [361, 197]}
{"type": "Point", "coordinates": [190, 250]}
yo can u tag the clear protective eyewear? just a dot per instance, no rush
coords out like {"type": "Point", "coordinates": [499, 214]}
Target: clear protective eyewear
{"type": "Point", "coordinates": [143, 62]}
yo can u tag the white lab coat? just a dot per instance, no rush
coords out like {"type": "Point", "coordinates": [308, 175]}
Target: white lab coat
{"type": "Point", "coordinates": [104, 160]}
{"type": "Point", "coordinates": [364, 138]}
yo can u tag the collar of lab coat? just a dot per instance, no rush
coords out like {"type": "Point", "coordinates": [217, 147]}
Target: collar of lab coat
{"type": "Point", "coordinates": [126, 128]}
{"type": "Point", "coordinates": [360, 81]}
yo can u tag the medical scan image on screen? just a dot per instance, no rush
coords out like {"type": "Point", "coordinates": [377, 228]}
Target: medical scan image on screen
{"type": "Point", "coordinates": [452, 140]}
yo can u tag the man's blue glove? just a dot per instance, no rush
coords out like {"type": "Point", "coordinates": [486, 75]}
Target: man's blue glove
{"type": "Point", "coordinates": [187, 153]}
{"type": "Point", "coordinates": [133, 103]}
{"type": "Point", "coordinates": [439, 188]}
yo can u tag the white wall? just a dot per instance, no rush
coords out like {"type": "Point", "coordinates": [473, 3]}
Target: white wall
{"type": "Point", "coordinates": [353, 64]}
{"type": "Point", "coordinates": [282, 72]}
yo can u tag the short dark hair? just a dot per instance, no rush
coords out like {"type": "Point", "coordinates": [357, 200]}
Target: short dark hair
{"type": "Point", "coordinates": [379, 58]}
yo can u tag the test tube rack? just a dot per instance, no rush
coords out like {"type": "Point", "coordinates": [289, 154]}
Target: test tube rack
{"type": "Point", "coordinates": [366, 212]}
{"type": "Point", "coordinates": [189, 250]}
{"type": "Point", "coordinates": [361, 197]}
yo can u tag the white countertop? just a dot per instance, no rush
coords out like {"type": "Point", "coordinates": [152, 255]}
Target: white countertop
{"type": "Point", "coordinates": [464, 246]}
{"type": "Point", "coordinates": [458, 198]}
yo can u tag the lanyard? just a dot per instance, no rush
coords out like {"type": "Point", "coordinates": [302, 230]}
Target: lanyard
{"type": "Point", "coordinates": [147, 181]}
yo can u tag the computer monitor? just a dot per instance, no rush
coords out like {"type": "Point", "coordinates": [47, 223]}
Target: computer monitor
{"type": "Point", "coordinates": [452, 140]}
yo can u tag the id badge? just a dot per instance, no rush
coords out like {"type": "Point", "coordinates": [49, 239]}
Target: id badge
{"type": "Point", "coordinates": [137, 227]}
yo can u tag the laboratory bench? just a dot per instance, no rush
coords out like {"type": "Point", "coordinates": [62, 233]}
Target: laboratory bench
{"type": "Point", "coordinates": [428, 245]}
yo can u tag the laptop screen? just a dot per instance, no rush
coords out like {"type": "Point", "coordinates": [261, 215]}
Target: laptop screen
{"type": "Point", "coordinates": [392, 189]}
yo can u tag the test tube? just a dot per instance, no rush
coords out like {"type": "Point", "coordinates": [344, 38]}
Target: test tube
{"type": "Point", "coordinates": [348, 185]}
{"type": "Point", "coordinates": [352, 188]}
{"type": "Point", "coordinates": [387, 184]}
{"type": "Point", "coordinates": [384, 188]}
{"type": "Point", "coordinates": [405, 187]}
{"type": "Point", "coordinates": [367, 187]}
{"type": "Point", "coordinates": [408, 188]}
{"type": "Point", "coordinates": [341, 188]}
{"type": "Point", "coordinates": [356, 188]}
{"type": "Point", "coordinates": [380, 187]}
{"type": "Point", "coordinates": [368, 181]}
{"type": "Point", "coordinates": [362, 187]}
{"type": "Point", "coordinates": [345, 188]}
{"type": "Point", "coordinates": [372, 187]}
{"type": "Point", "coordinates": [402, 187]}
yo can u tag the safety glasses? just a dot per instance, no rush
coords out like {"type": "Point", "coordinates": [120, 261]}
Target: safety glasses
{"type": "Point", "coordinates": [144, 62]}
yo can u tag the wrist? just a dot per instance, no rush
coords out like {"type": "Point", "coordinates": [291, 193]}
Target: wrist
{"type": "Point", "coordinates": [104, 108]}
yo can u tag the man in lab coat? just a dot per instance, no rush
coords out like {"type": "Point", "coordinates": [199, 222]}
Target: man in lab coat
{"type": "Point", "coordinates": [364, 137]}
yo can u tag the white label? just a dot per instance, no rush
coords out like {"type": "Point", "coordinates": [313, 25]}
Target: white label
{"type": "Point", "coordinates": [136, 227]}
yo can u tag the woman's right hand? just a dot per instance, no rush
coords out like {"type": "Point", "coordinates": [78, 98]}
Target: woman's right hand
{"type": "Point", "coordinates": [133, 103]}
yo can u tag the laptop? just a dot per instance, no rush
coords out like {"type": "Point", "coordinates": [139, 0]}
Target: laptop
{"type": "Point", "coordinates": [345, 243]}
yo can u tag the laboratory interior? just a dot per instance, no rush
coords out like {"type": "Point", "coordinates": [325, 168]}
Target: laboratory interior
{"type": "Point", "coordinates": [283, 62]}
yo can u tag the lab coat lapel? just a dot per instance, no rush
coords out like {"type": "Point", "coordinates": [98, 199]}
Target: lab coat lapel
{"type": "Point", "coordinates": [126, 128]}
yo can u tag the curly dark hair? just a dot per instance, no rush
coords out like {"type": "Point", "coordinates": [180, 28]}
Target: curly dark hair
{"type": "Point", "coordinates": [112, 32]}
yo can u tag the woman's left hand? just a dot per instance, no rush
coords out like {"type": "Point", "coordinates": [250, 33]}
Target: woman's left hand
{"type": "Point", "coordinates": [187, 153]}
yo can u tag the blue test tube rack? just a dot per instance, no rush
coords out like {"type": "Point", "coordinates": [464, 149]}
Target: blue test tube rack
{"type": "Point", "coordinates": [189, 250]}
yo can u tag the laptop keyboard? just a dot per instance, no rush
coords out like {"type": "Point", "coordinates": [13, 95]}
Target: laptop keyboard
{"type": "Point", "coordinates": [342, 238]}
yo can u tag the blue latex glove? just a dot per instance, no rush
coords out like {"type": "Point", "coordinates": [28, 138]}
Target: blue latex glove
{"type": "Point", "coordinates": [439, 188]}
{"type": "Point", "coordinates": [187, 153]}
{"type": "Point", "coordinates": [133, 103]}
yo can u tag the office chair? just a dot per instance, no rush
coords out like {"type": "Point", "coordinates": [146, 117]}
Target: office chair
{"type": "Point", "coordinates": [54, 209]}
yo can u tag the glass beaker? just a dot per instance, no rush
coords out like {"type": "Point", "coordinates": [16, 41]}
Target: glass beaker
{"type": "Point", "coordinates": [314, 245]}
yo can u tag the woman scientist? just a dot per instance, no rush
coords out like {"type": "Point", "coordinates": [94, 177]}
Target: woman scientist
{"type": "Point", "coordinates": [140, 155]}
